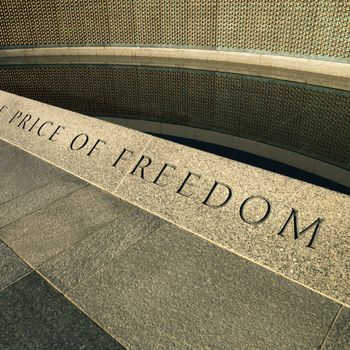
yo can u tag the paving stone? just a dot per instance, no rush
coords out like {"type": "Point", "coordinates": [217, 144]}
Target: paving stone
{"type": "Point", "coordinates": [38, 198]}
{"type": "Point", "coordinates": [72, 266]}
{"type": "Point", "coordinates": [21, 172]}
{"type": "Point", "coordinates": [12, 267]}
{"type": "Point", "coordinates": [174, 290]}
{"type": "Point", "coordinates": [339, 335]}
{"type": "Point", "coordinates": [35, 316]}
{"type": "Point", "coordinates": [48, 231]}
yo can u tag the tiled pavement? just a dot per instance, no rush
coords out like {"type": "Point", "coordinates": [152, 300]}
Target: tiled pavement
{"type": "Point", "coordinates": [81, 269]}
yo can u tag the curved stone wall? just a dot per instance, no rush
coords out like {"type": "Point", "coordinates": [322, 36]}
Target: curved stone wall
{"type": "Point", "coordinates": [331, 74]}
{"type": "Point", "coordinates": [301, 118]}
{"type": "Point", "coordinates": [313, 28]}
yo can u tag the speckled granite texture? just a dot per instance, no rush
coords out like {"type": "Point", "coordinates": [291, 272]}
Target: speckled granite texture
{"type": "Point", "coordinates": [38, 198]}
{"type": "Point", "coordinates": [319, 260]}
{"type": "Point", "coordinates": [30, 172]}
{"type": "Point", "coordinates": [101, 142]}
{"type": "Point", "coordinates": [325, 268]}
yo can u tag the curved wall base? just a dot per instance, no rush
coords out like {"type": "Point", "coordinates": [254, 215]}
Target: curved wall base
{"type": "Point", "coordinates": [302, 70]}
{"type": "Point", "coordinates": [311, 165]}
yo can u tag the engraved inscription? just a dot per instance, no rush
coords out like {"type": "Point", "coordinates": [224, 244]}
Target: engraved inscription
{"type": "Point", "coordinates": [140, 168]}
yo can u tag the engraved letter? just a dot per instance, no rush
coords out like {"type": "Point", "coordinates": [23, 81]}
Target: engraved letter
{"type": "Point", "coordinates": [121, 156]}
{"type": "Point", "coordinates": [95, 145]}
{"type": "Point", "coordinates": [39, 130]}
{"type": "Point", "coordinates": [162, 173]}
{"type": "Point", "coordinates": [2, 107]}
{"type": "Point", "coordinates": [142, 167]}
{"type": "Point", "coordinates": [82, 145]}
{"type": "Point", "coordinates": [32, 127]}
{"type": "Point", "coordinates": [316, 223]}
{"type": "Point", "coordinates": [268, 209]}
{"type": "Point", "coordinates": [24, 121]}
{"type": "Point", "coordinates": [17, 115]}
{"type": "Point", "coordinates": [55, 133]}
{"type": "Point", "coordinates": [229, 195]}
{"type": "Point", "coordinates": [179, 191]}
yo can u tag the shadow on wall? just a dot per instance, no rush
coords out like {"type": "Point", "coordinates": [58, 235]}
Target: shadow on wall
{"type": "Point", "coordinates": [258, 161]}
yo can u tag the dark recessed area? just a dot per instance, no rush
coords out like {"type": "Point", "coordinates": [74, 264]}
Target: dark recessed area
{"type": "Point", "coordinates": [258, 161]}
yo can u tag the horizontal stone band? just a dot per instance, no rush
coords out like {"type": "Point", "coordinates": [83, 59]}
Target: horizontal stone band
{"type": "Point", "coordinates": [310, 71]}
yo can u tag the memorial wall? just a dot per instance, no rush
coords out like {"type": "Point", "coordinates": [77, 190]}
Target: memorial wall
{"type": "Point", "coordinates": [309, 120]}
{"type": "Point", "coordinates": [318, 29]}
{"type": "Point", "coordinates": [272, 75]}
{"type": "Point", "coordinates": [111, 238]}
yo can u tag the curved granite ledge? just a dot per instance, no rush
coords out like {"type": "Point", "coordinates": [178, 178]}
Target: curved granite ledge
{"type": "Point", "coordinates": [293, 228]}
{"type": "Point", "coordinates": [310, 71]}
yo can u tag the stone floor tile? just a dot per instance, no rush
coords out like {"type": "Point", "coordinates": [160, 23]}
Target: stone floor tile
{"type": "Point", "coordinates": [41, 235]}
{"type": "Point", "coordinates": [21, 172]}
{"type": "Point", "coordinates": [35, 316]}
{"type": "Point", "coordinates": [12, 267]}
{"type": "Point", "coordinates": [86, 257]}
{"type": "Point", "coordinates": [339, 335]}
{"type": "Point", "coordinates": [38, 198]}
{"type": "Point", "coordinates": [174, 290]}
